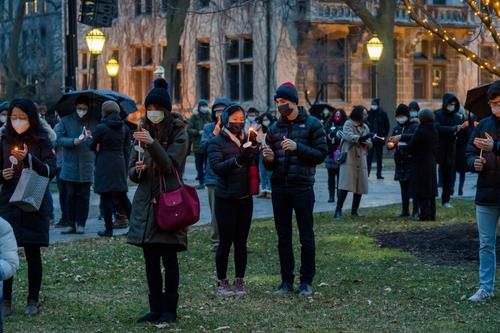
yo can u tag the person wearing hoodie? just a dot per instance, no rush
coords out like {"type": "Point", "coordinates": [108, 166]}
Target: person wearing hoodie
{"type": "Point", "coordinates": [414, 108]}
{"type": "Point", "coordinates": [378, 122]}
{"type": "Point", "coordinates": [252, 120]}
{"type": "Point", "coordinates": [401, 134]}
{"type": "Point", "coordinates": [450, 125]}
{"type": "Point", "coordinates": [265, 122]}
{"type": "Point", "coordinates": [195, 129]}
{"type": "Point", "coordinates": [333, 129]}
{"type": "Point", "coordinates": [211, 130]}
{"type": "Point", "coordinates": [295, 145]}
{"type": "Point", "coordinates": [9, 260]}
{"type": "Point", "coordinates": [111, 144]}
{"type": "Point", "coordinates": [165, 141]}
{"type": "Point", "coordinates": [483, 158]}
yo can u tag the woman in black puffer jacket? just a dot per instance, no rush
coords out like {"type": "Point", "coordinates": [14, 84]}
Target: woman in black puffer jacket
{"type": "Point", "coordinates": [230, 161]}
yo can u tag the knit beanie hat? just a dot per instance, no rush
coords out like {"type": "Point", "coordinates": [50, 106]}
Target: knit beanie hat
{"type": "Point", "coordinates": [494, 90]}
{"type": "Point", "coordinates": [403, 110]}
{"type": "Point", "coordinates": [159, 95]}
{"type": "Point", "coordinates": [425, 116]}
{"type": "Point", "coordinates": [287, 91]}
{"type": "Point", "coordinates": [109, 107]}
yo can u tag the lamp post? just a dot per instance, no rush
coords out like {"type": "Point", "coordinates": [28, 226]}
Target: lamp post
{"type": "Point", "coordinates": [95, 41]}
{"type": "Point", "coordinates": [112, 68]}
{"type": "Point", "coordinates": [374, 48]}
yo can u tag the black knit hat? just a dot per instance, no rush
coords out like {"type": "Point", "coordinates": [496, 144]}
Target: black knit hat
{"type": "Point", "coordinates": [403, 110]}
{"type": "Point", "coordinates": [425, 116]}
{"type": "Point", "coordinates": [287, 91]}
{"type": "Point", "coordinates": [494, 90]}
{"type": "Point", "coordinates": [159, 95]}
{"type": "Point", "coordinates": [414, 106]}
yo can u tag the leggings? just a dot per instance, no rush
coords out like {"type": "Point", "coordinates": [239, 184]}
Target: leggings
{"type": "Point", "coordinates": [107, 206]}
{"type": "Point", "coordinates": [154, 255]}
{"type": "Point", "coordinates": [34, 260]}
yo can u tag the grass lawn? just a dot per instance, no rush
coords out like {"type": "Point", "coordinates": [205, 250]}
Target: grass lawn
{"type": "Point", "coordinates": [99, 286]}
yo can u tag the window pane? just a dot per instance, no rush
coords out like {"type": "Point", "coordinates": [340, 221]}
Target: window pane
{"type": "Point", "coordinates": [437, 82]}
{"type": "Point", "coordinates": [138, 57]}
{"type": "Point", "coordinates": [367, 81]}
{"type": "Point", "coordinates": [148, 56]}
{"type": "Point", "coordinates": [421, 50]}
{"type": "Point", "coordinates": [204, 79]}
{"type": "Point", "coordinates": [233, 49]}
{"type": "Point", "coordinates": [233, 82]}
{"type": "Point", "coordinates": [138, 85]}
{"type": "Point", "coordinates": [438, 49]}
{"type": "Point", "coordinates": [148, 9]}
{"type": "Point", "coordinates": [419, 82]}
{"type": "Point", "coordinates": [138, 7]}
{"type": "Point", "coordinates": [247, 84]}
{"type": "Point", "coordinates": [204, 3]}
{"type": "Point", "coordinates": [84, 61]}
{"type": "Point", "coordinates": [203, 51]}
{"type": "Point", "coordinates": [247, 48]}
{"type": "Point", "coordinates": [336, 82]}
{"type": "Point", "coordinates": [85, 82]}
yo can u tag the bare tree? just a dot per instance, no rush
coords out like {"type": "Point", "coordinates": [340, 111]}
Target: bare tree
{"type": "Point", "coordinates": [13, 57]}
{"type": "Point", "coordinates": [488, 13]}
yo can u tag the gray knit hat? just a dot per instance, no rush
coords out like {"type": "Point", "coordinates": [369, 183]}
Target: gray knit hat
{"type": "Point", "coordinates": [109, 107]}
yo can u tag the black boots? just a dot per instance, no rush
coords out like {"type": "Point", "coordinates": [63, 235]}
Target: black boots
{"type": "Point", "coordinates": [162, 309]}
{"type": "Point", "coordinates": [338, 213]}
{"type": "Point", "coordinates": [105, 233]}
{"type": "Point", "coordinates": [169, 307]}
{"type": "Point", "coordinates": [332, 196]}
{"type": "Point", "coordinates": [356, 200]}
{"type": "Point", "coordinates": [154, 310]}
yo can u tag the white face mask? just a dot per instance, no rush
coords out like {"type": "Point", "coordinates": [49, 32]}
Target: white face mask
{"type": "Point", "coordinates": [496, 111]}
{"type": "Point", "coordinates": [20, 125]}
{"type": "Point", "coordinates": [266, 123]}
{"type": "Point", "coordinates": [251, 118]}
{"type": "Point", "coordinates": [402, 120]}
{"type": "Point", "coordinates": [204, 109]}
{"type": "Point", "coordinates": [81, 113]}
{"type": "Point", "coordinates": [450, 107]}
{"type": "Point", "coordinates": [3, 119]}
{"type": "Point", "coordinates": [414, 114]}
{"type": "Point", "coordinates": [374, 107]}
{"type": "Point", "coordinates": [326, 113]}
{"type": "Point", "coordinates": [155, 117]}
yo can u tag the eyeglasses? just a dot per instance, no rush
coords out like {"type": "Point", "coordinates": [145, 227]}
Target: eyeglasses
{"type": "Point", "coordinates": [494, 104]}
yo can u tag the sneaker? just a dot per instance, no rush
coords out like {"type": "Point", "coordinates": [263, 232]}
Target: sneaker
{"type": "Point", "coordinates": [480, 296]}
{"type": "Point", "coordinates": [305, 290]}
{"type": "Point", "coordinates": [447, 205]}
{"type": "Point", "coordinates": [121, 222]}
{"type": "Point", "coordinates": [6, 308]}
{"type": "Point", "coordinates": [80, 230]}
{"type": "Point", "coordinates": [224, 288]}
{"type": "Point", "coordinates": [32, 308]}
{"type": "Point", "coordinates": [68, 230]}
{"type": "Point", "coordinates": [105, 233]}
{"type": "Point", "coordinates": [239, 287]}
{"type": "Point", "coordinates": [284, 289]}
{"type": "Point", "coordinates": [380, 178]}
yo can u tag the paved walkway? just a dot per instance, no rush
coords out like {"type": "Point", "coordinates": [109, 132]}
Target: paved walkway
{"type": "Point", "coordinates": [382, 192]}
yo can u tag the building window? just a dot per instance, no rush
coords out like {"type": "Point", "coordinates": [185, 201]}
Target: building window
{"type": "Point", "coordinates": [239, 58]}
{"type": "Point", "coordinates": [332, 76]}
{"type": "Point", "coordinates": [419, 82]}
{"type": "Point", "coordinates": [164, 6]}
{"type": "Point", "coordinates": [367, 81]}
{"type": "Point", "coordinates": [138, 86]}
{"type": "Point", "coordinates": [429, 72]}
{"type": "Point", "coordinates": [148, 56]}
{"type": "Point", "coordinates": [85, 81]}
{"type": "Point", "coordinates": [437, 82]}
{"type": "Point", "coordinates": [439, 2]}
{"type": "Point", "coordinates": [203, 51]}
{"type": "Point", "coordinates": [138, 7]}
{"type": "Point", "coordinates": [85, 61]}
{"type": "Point", "coordinates": [203, 61]}
{"type": "Point", "coordinates": [137, 56]}
{"type": "Point", "coordinates": [204, 3]}
{"type": "Point", "coordinates": [148, 7]}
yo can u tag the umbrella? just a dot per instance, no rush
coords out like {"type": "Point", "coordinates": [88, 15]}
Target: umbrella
{"type": "Point", "coordinates": [316, 109]}
{"type": "Point", "coordinates": [477, 101]}
{"type": "Point", "coordinates": [66, 105]}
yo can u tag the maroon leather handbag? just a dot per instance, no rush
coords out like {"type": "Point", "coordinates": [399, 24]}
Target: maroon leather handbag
{"type": "Point", "coordinates": [253, 179]}
{"type": "Point", "coordinates": [177, 209]}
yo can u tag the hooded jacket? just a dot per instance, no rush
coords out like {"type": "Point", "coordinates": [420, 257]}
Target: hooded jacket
{"type": "Point", "coordinates": [447, 125]}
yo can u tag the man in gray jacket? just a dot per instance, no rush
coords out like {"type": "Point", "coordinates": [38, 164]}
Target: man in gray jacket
{"type": "Point", "coordinates": [74, 135]}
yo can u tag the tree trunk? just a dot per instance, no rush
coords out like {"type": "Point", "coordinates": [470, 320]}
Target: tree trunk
{"type": "Point", "coordinates": [177, 12]}
{"type": "Point", "coordinates": [386, 72]}
{"type": "Point", "coordinates": [13, 60]}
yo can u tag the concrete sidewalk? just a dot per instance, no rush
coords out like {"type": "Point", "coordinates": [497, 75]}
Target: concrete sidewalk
{"type": "Point", "coordinates": [381, 192]}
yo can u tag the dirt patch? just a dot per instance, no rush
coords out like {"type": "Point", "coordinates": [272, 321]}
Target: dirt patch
{"type": "Point", "coordinates": [449, 245]}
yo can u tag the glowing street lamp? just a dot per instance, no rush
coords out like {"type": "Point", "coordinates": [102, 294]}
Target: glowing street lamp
{"type": "Point", "coordinates": [95, 42]}
{"type": "Point", "coordinates": [112, 68]}
{"type": "Point", "coordinates": [374, 48]}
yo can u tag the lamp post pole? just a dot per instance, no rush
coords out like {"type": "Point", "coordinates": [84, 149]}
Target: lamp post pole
{"type": "Point", "coordinates": [374, 48]}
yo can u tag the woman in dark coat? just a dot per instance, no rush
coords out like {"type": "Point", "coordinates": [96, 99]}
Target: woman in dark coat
{"type": "Point", "coordinates": [333, 130]}
{"type": "Point", "coordinates": [402, 133]}
{"type": "Point", "coordinates": [24, 138]}
{"type": "Point", "coordinates": [111, 143]}
{"type": "Point", "coordinates": [422, 146]}
{"type": "Point", "coordinates": [165, 142]}
{"type": "Point", "coordinates": [230, 158]}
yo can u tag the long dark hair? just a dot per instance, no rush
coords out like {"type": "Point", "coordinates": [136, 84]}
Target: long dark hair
{"type": "Point", "coordinates": [160, 131]}
{"type": "Point", "coordinates": [343, 117]}
{"type": "Point", "coordinates": [357, 113]}
{"type": "Point", "coordinates": [36, 130]}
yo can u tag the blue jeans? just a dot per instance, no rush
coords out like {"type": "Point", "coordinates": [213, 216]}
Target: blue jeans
{"type": "Point", "coordinates": [487, 220]}
{"type": "Point", "coordinates": [265, 176]}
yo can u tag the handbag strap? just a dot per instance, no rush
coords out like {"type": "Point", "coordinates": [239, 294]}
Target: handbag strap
{"type": "Point", "coordinates": [30, 164]}
{"type": "Point", "coordinates": [163, 182]}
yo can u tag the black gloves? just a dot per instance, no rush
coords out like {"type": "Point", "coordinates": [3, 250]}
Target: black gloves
{"type": "Point", "coordinates": [247, 155]}
{"type": "Point", "coordinates": [366, 137]}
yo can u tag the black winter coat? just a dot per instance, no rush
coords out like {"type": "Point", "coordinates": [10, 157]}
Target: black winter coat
{"type": "Point", "coordinates": [462, 141]}
{"type": "Point", "coordinates": [378, 122]}
{"type": "Point", "coordinates": [29, 228]}
{"type": "Point", "coordinates": [488, 182]}
{"type": "Point", "coordinates": [112, 145]}
{"type": "Point", "coordinates": [402, 156]}
{"type": "Point", "coordinates": [296, 168]}
{"type": "Point", "coordinates": [422, 146]}
{"type": "Point", "coordinates": [447, 123]}
{"type": "Point", "coordinates": [232, 179]}
{"type": "Point", "coordinates": [333, 141]}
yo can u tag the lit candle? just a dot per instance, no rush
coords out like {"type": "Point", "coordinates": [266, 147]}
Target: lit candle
{"type": "Point", "coordinates": [250, 130]}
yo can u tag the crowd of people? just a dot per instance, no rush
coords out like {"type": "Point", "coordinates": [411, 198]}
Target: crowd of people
{"type": "Point", "coordinates": [230, 144]}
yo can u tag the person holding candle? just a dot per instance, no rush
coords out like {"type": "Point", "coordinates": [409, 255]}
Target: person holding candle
{"type": "Point", "coordinates": [165, 141]}
{"type": "Point", "coordinates": [333, 129]}
{"type": "Point", "coordinates": [401, 134]}
{"type": "Point", "coordinates": [112, 138]}
{"type": "Point", "coordinates": [378, 123]}
{"type": "Point", "coordinates": [74, 135]}
{"type": "Point", "coordinates": [26, 140]}
{"type": "Point", "coordinates": [4, 110]}
{"type": "Point", "coordinates": [230, 154]}
{"type": "Point", "coordinates": [295, 145]}
{"type": "Point", "coordinates": [266, 121]}
{"type": "Point", "coordinates": [483, 158]}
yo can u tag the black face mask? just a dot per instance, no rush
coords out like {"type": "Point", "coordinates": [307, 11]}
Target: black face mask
{"type": "Point", "coordinates": [235, 128]}
{"type": "Point", "coordinates": [284, 110]}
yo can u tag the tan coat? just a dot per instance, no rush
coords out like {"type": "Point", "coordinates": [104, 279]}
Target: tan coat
{"type": "Point", "coordinates": [354, 171]}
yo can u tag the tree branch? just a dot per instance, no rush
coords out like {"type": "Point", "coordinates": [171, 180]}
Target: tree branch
{"type": "Point", "coordinates": [364, 14]}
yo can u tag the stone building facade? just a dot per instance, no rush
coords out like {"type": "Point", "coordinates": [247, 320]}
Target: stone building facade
{"type": "Point", "coordinates": [244, 49]}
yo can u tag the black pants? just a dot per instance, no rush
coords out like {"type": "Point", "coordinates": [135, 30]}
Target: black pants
{"type": "Point", "coordinates": [108, 207]}
{"type": "Point", "coordinates": [61, 187]}
{"type": "Point", "coordinates": [448, 174]}
{"type": "Point", "coordinates": [34, 261]}
{"type": "Point", "coordinates": [405, 195]}
{"type": "Point", "coordinates": [356, 200]}
{"type": "Point", "coordinates": [234, 217]}
{"type": "Point", "coordinates": [427, 209]}
{"type": "Point", "coordinates": [333, 179]}
{"type": "Point", "coordinates": [286, 200]}
{"type": "Point", "coordinates": [77, 201]}
{"type": "Point", "coordinates": [378, 150]}
{"type": "Point", "coordinates": [200, 160]}
{"type": "Point", "coordinates": [154, 255]}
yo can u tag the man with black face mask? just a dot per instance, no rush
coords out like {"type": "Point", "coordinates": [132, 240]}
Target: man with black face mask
{"type": "Point", "coordinates": [450, 125]}
{"type": "Point", "coordinates": [295, 144]}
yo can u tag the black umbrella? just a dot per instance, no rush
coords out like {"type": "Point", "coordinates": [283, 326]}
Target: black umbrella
{"type": "Point", "coordinates": [477, 101]}
{"type": "Point", "coordinates": [316, 109]}
{"type": "Point", "coordinates": [66, 105]}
